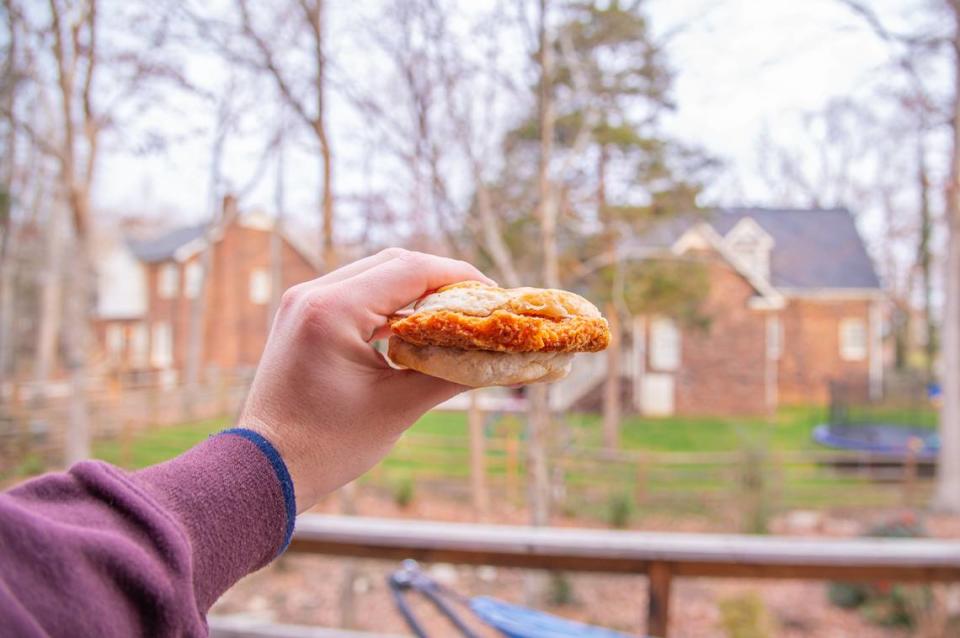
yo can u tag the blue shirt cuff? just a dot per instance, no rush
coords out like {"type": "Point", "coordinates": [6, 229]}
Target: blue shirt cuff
{"type": "Point", "coordinates": [283, 476]}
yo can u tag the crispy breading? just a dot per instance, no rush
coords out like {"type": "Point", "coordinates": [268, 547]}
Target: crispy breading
{"type": "Point", "coordinates": [503, 331]}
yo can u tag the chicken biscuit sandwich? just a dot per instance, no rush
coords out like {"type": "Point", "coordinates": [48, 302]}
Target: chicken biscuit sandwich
{"type": "Point", "coordinates": [480, 335]}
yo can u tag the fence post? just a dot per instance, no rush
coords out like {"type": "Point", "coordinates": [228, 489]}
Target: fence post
{"type": "Point", "coordinates": [658, 599]}
{"type": "Point", "coordinates": [914, 445]}
{"type": "Point", "coordinates": [513, 471]}
{"type": "Point", "coordinates": [640, 483]}
{"type": "Point", "coordinates": [478, 471]}
{"type": "Point", "coordinates": [126, 444]}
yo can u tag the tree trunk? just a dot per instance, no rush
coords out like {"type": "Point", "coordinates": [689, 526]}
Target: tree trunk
{"type": "Point", "coordinates": [76, 337]}
{"type": "Point", "coordinates": [478, 470]}
{"type": "Point", "coordinates": [51, 300]}
{"type": "Point", "coordinates": [8, 279]}
{"type": "Point", "coordinates": [276, 238]}
{"type": "Point", "coordinates": [611, 386]}
{"type": "Point", "coordinates": [219, 213]}
{"type": "Point", "coordinates": [925, 260]}
{"type": "Point", "coordinates": [539, 418]}
{"type": "Point", "coordinates": [329, 250]}
{"type": "Point", "coordinates": [948, 472]}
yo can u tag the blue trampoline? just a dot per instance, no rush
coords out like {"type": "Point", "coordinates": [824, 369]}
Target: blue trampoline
{"type": "Point", "coordinates": [893, 441]}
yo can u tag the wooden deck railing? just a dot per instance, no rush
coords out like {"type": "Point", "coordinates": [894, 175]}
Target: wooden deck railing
{"type": "Point", "coordinates": [660, 556]}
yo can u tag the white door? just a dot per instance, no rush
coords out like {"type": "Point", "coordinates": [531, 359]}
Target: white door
{"type": "Point", "coordinates": [658, 394]}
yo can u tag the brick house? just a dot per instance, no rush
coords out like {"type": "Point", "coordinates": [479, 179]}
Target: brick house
{"type": "Point", "coordinates": [148, 285]}
{"type": "Point", "coordinates": [794, 303]}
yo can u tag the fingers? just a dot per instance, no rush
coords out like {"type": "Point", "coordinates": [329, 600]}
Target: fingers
{"type": "Point", "coordinates": [412, 391]}
{"type": "Point", "coordinates": [359, 266]}
{"type": "Point", "coordinates": [380, 291]}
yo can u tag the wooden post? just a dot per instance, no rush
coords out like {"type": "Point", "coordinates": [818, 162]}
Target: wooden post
{"type": "Point", "coordinates": [513, 471]}
{"type": "Point", "coordinates": [611, 386]}
{"type": "Point", "coordinates": [478, 471]}
{"type": "Point", "coordinates": [914, 445]}
{"type": "Point", "coordinates": [347, 603]}
{"type": "Point", "coordinates": [126, 444]}
{"type": "Point", "coordinates": [658, 599]}
{"type": "Point", "coordinates": [640, 484]}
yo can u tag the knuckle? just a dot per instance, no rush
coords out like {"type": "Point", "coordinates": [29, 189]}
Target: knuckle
{"type": "Point", "coordinates": [394, 252]}
{"type": "Point", "coordinates": [291, 297]}
{"type": "Point", "coordinates": [412, 258]}
{"type": "Point", "coordinates": [320, 307]}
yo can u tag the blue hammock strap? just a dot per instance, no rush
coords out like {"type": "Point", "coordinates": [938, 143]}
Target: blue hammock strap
{"type": "Point", "coordinates": [513, 621]}
{"type": "Point", "coordinates": [411, 578]}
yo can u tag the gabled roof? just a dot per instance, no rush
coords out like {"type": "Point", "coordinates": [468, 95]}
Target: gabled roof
{"type": "Point", "coordinates": [163, 247]}
{"type": "Point", "coordinates": [813, 249]}
{"type": "Point", "coordinates": [181, 243]}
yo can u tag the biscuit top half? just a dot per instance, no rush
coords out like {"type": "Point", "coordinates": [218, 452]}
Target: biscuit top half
{"type": "Point", "coordinates": [481, 300]}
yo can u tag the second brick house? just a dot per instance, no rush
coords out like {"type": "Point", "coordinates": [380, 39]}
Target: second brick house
{"type": "Point", "coordinates": [794, 305]}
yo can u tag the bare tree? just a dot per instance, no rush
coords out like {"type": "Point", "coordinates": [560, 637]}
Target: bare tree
{"type": "Point", "coordinates": [76, 56]}
{"type": "Point", "coordinates": [307, 100]}
{"type": "Point", "coordinates": [944, 40]}
{"type": "Point", "coordinates": [9, 82]}
{"type": "Point", "coordinates": [539, 419]}
{"type": "Point", "coordinates": [948, 472]}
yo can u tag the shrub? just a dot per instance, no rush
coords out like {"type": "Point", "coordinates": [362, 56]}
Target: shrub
{"type": "Point", "coordinates": [754, 489]}
{"type": "Point", "coordinates": [560, 589]}
{"type": "Point", "coordinates": [883, 603]}
{"type": "Point", "coordinates": [403, 492]}
{"type": "Point", "coordinates": [619, 511]}
{"type": "Point", "coordinates": [745, 616]}
{"type": "Point", "coordinates": [32, 465]}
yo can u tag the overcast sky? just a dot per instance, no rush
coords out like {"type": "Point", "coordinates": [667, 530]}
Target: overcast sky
{"type": "Point", "coordinates": [741, 66]}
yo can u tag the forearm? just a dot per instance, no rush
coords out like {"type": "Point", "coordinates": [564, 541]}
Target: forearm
{"type": "Point", "coordinates": [97, 551]}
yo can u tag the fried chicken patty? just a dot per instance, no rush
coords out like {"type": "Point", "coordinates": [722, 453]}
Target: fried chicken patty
{"type": "Point", "coordinates": [474, 316]}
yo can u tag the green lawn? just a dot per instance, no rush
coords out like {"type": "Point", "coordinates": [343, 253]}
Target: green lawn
{"type": "Point", "coordinates": [437, 450]}
{"type": "Point", "coordinates": [789, 430]}
{"type": "Point", "coordinates": [158, 444]}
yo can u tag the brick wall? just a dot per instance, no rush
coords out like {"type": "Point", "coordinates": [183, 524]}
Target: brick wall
{"type": "Point", "coordinates": [722, 369]}
{"type": "Point", "coordinates": [811, 350]}
{"type": "Point", "coordinates": [236, 327]}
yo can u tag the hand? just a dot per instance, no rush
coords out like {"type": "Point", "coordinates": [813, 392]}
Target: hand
{"type": "Point", "coordinates": [322, 395]}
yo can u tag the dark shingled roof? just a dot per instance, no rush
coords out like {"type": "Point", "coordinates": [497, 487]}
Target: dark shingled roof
{"type": "Point", "coordinates": [813, 248]}
{"type": "Point", "coordinates": [163, 246]}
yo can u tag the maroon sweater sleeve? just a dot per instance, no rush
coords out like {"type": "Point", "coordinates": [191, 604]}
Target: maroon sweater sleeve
{"type": "Point", "coordinates": [97, 551]}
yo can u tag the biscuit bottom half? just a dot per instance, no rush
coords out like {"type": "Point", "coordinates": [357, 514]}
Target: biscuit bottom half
{"type": "Point", "coordinates": [479, 368]}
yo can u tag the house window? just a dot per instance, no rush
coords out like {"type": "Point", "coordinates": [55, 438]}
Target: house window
{"type": "Point", "coordinates": [260, 286]}
{"type": "Point", "coordinates": [664, 344]}
{"type": "Point", "coordinates": [161, 350]}
{"type": "Point", "coordinates": [192, 280]}
{"type": "Point", "coordinates": [115, 341]}
{"type": "Point", "coordinates": [139, 344]}
{"type": "Point", "coordinates": [774, 338]}
{"type": "Point", "coordinates": [853, 339]}
{"type": "Point", "coordinates": [168, 281]}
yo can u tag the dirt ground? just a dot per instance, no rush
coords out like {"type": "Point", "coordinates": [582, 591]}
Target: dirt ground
{"type": "Point", "coordinates": [304, 589]}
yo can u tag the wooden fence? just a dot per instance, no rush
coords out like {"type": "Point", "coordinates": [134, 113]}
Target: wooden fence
{"type": "Point", "coordinates": [661, 557]}
{"type": "Point", "coordinates": [31, 424]}
{"type": "Point", "coordinates": [705, 482]}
